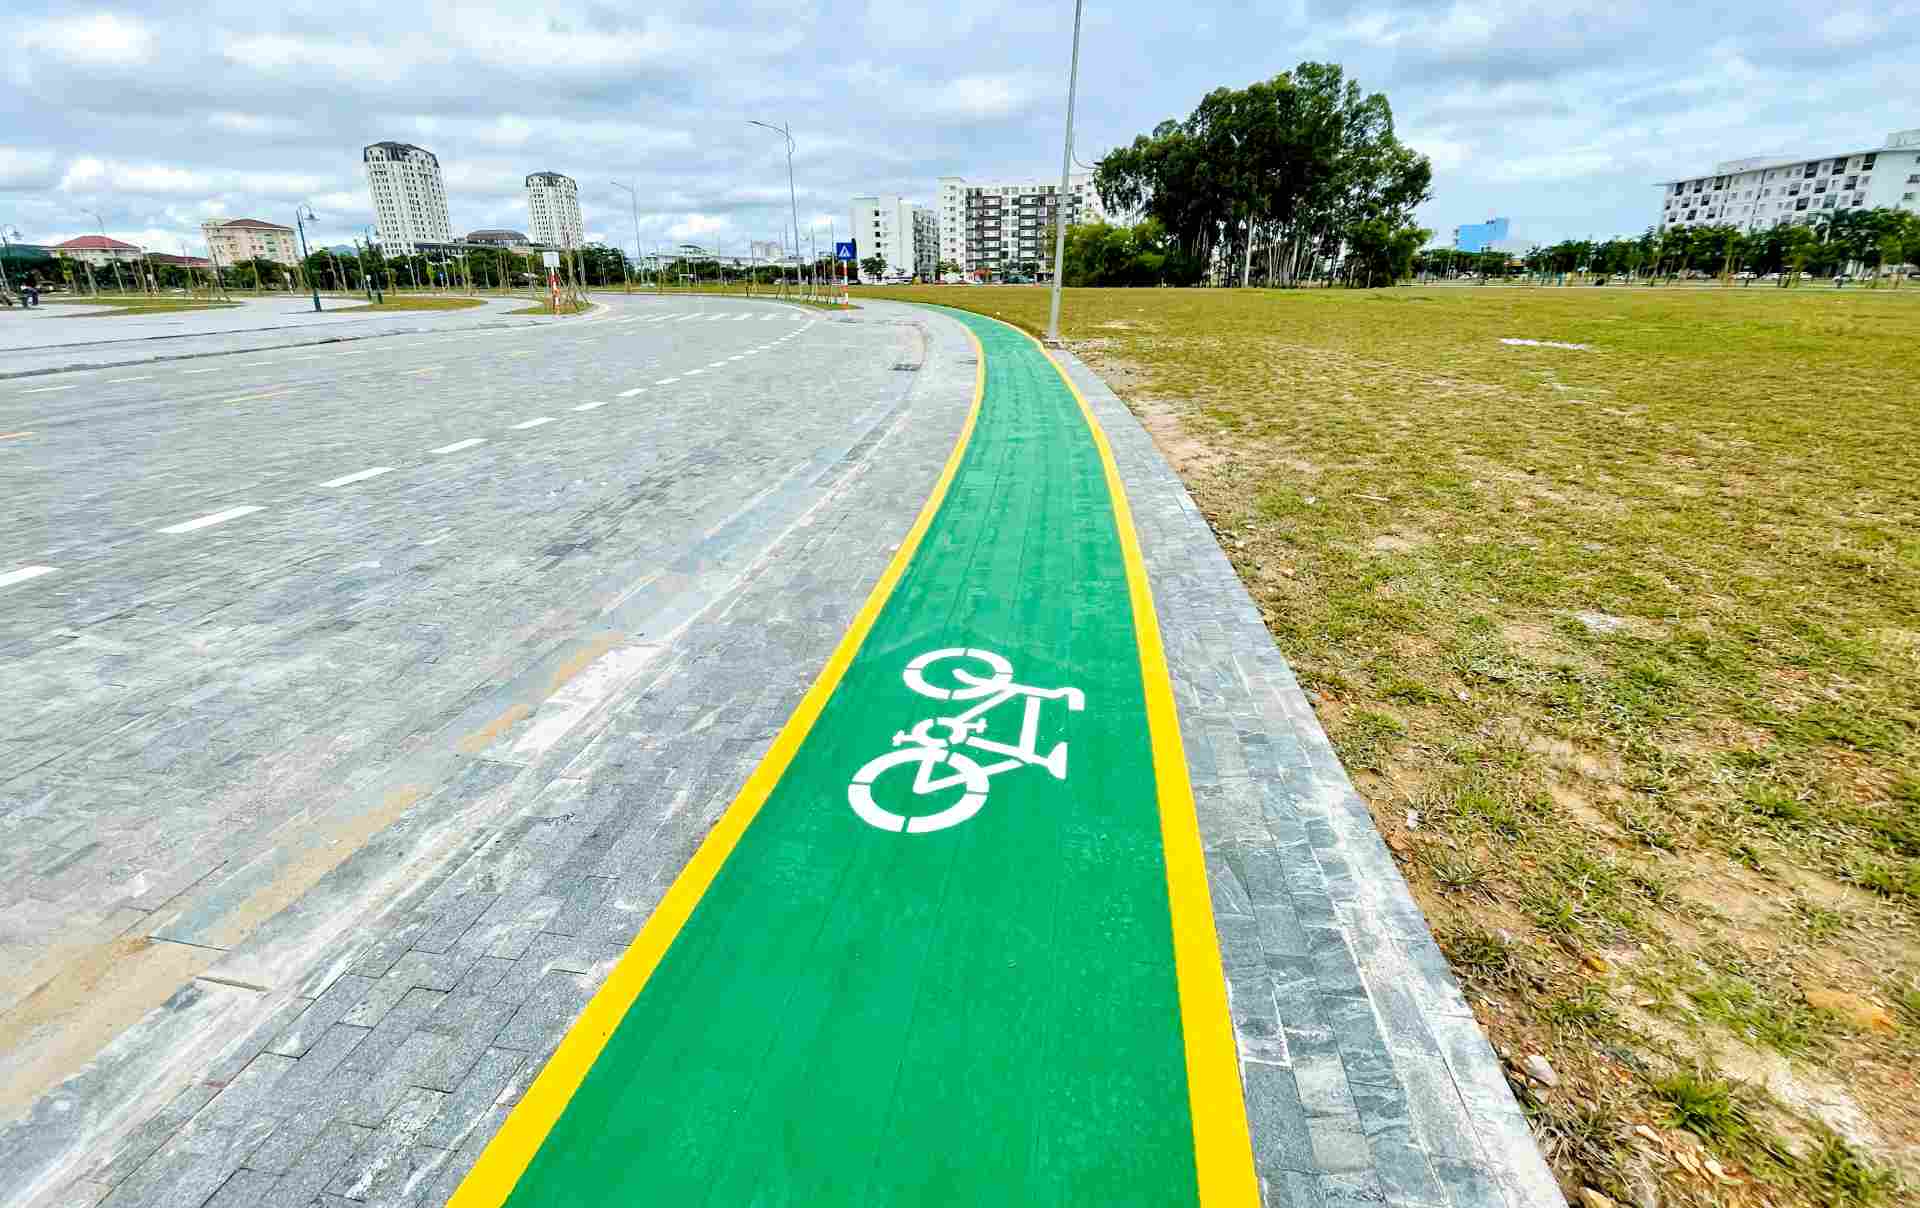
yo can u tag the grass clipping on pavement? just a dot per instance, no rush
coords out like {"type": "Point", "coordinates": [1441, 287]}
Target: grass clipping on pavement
{"type": "Point", "coordinates": [1620, 645]}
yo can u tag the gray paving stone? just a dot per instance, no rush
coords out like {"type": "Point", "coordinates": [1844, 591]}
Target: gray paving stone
{"type": "Point", "coordinates": [473, 1097]}
{"type": "Point", "coordinates": [320, 1014]}
{"type": "Point", "coordinates": [243, 1189]}
{"type": "Point", "coordinates": [318, 1164]}
{"type": "Point", "coordinates": [541, 1020]}
{"type": "Point", "coordinates": [1405, 1176]}
{"type": "Point", "coordinates": [1278, 1123]}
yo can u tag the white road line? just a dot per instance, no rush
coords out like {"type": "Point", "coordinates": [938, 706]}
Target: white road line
{"type": "Point", "coordinates": [311, 358]}
{"type": "Point", "coordinates": [117, 381]}
{"type": "Point", "coordinates": [358, 352]}
{"type": "Point", "coordinates": [533, 423]}
{"type": "Point", "coordinates": [590, 406]}
{"type": "Point", "coordinates": [716, 364]}
{"type": "Point", "coordinates": [51, 389]}
{"type": "Point", "coordinates": [632, 392]}
{"type": "Point", "coordinates": [741, 318]}
{"type": "Point", "coordinates": [191, 372]}
{"type": "Point", "coordinates": [23, 574]}
{"type": "Point", "coordinates": [359, 476]}
{"type": "Point", "coordinates": [736, 358]}
{"type": "Point", "coordinates": [458, 445]}
{"type": "Point", "coordinates": [209, 521]}
{"type": "Point", "coordinates": [666, 381]}
{"type": "Point", "coordinates": [657, 318]}
{"type": "Point", "coordinates": [691, 372]}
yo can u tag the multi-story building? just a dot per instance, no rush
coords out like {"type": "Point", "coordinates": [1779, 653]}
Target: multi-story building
{"type": "Point", "coordinates": [893, 228]}
{"type": "Point", "coordinates": [1768, 191]}
{"type": "Point", "coordinates": [553, 209]}
{"type": "Point", "coordinates": [1006, 225]}
{"type": "Point", "coordinates": [513, 241]}
{"type": "Point", "coordinates": [1479, 236]}
{"type": "Point", "coordinates": [409, 197]}
{"type": "Point", "coordinates": [234, 240]}
{"type": "Point", "coordinates": [96, 250]}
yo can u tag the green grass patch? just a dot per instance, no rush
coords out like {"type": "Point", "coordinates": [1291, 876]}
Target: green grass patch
{"type": "Point", "coordinates": [393, 301]}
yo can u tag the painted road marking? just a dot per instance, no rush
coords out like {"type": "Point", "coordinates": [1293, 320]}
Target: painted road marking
{"type": "Point", "coordinates": [533, 423]}
{"type": "Point", "coordinates": [191, 372]}
{"type": "Point", "coordinates": [117, 381]}
{"type": "Point", "coordinates": [23, 574]}
{"type": "Point", "coordinates": [458, 445]}
{"type": "Point", "coordinates": [691, 372]}
{"type": "Point", "coordinates": [666, 381]}
{"type": "Point", "coordinates": [209, 521]}
{"type": "Point", "coordinates": [358, 476]}
{"type": "Point", "coordinates": [590, 406]}
{"type": "Point", "coordinates": [718, 364]}
{"type": "Point", "coordinates": [741, 318]}
{"type": "Point", "coordinates": [50, 389]}
{"type": "Point", "coordinates": [14, 435]}
{"type": "Point", "coordinates": [716, 318]}
{"type": "Point", "coordinates": [898, 973]}
{"type": "Point", "coordinates": [632, 392]}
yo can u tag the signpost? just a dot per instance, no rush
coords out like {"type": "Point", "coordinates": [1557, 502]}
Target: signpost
{"type": "Point", "coordinates": [552, 261]}
{"type": "Point", "coordinates": [844, 252]}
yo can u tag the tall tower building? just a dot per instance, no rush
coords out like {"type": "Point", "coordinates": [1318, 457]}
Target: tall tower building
{"type": "Point", "coordinates": [409, 198]}
{"type": "Point", "coordinates": [553, 210]}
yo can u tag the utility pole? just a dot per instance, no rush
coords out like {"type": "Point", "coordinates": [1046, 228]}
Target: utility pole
{"type": "Point", "coordinates": [101, 223]}
{"type": "Point", "coordinates": [793, 204]}
{"type": "Point", "coordinates": [1060, 211]}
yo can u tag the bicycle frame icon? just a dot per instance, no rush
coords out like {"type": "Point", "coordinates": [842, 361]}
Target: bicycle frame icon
{"type": "Point", "coordinates": [937, 742]}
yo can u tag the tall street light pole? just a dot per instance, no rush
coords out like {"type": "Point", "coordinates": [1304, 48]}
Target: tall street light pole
{"type": "Point", "coordinates": [634, 199]}
{"type": "Point", "coordinates": [101, 223]}
{"type": "Point", "coordinates": [1060, 203]}
{"type": "Point", "coordinates": [306, 258]}
{"type": "Point", "coordinates": [793, 204]}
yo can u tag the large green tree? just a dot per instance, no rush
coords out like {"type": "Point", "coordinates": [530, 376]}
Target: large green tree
{"type": "Point", "coordinates": [1282, 172]}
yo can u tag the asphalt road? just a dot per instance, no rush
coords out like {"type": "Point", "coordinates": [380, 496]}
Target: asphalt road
{"type": "Point", "coordinates": [274, 617]}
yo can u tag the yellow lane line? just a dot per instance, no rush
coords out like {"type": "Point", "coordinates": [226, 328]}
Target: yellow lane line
{"type": "Point", "coordinates": [506, 1157]}
{"type": "Point", "coordinates": [1222, 1144]}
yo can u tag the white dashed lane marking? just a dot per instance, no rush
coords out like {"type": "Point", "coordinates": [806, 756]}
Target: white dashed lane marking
{"type": "Point", "coordinates": [49, 389]}
{"type": "Point", "coordinates": [357, 476]}
{"type": "Point", "coordinates": [692, 372]}
{"type": "Point", "coordinates": [590, 406]}
{"type": "Point", "coordinates": [117, 381]}
{"type": "Point", "coordinates": [458, 445]}
{"type": "Point", "coordinates": [209, 521]}
{"type": "Point", "coordinates": [632, 392]}
{"type": "Point", "coordinates": [533, 423]}
{"type": "Point", "coordinates": [666, 381]}
{"type": "Point", "coordinates": [23, 574]}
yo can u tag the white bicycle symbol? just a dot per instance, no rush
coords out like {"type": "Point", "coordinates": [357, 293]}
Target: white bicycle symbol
{"type": "Point", "coordinates": [923, 747]}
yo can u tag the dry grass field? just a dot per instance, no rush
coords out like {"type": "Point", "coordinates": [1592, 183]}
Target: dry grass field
{"type": "Point", "coordinates": [1622, 644]}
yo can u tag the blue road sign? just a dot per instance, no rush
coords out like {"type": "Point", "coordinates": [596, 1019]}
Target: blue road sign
{"type": "Point", "coordinates": [843, 250]}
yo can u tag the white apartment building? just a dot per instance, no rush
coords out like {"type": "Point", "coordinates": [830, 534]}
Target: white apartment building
{"type": "Point", "coordinates": [553, 210]}
{"type": "Point", "coordinates": [1768, 191]}
{"type": "Point", "coordinates": [409, 197]}
{"type": "Point", "coordinates": [230, 242]}
{"type": "Point", "coordinates": [888, 225]}
{"type": "Point", "coordinates": [1007, 225]}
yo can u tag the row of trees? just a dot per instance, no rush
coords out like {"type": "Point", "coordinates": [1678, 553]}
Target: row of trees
{"type": "Point", "coordinates": [1287, 179]}
{"type": "Point", "coordinates": [1840, 241]}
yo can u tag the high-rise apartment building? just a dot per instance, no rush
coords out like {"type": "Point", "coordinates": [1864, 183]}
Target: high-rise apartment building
{"type": "Point", "coordinates": [233, 241]}
{"type": "Point", "coordinates": [1768, 191]}
{"type": "Point", "coordinates": [553, 210]}
{"type": "Point", "coordinates": [1007, 226]}
{"type": "Point", "coordinates": [409, 197]}
{"type": "Point", "coordinates": [905, 235]}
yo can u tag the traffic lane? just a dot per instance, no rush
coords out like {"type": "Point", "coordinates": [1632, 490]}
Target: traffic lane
{"type": "Point", "coordinates": [182, 707]}
{"type": "Point", "coordinates": [90, 486]}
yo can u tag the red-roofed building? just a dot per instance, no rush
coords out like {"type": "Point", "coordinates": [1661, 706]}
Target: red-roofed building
{"type": "Point", "coordinates": [171, 261]}
{"type": "Point", "coordinates": [96, 249]}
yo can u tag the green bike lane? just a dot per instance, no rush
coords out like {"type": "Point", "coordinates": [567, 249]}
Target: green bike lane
{"type": "Point", "coordinates": [992, 991]}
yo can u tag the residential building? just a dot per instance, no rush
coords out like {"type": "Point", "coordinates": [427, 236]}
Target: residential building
{"type": "Point", "coordinates": [512, 241]}
{"type": "Point", "coordinates": [887, 225]}
{"type": "Point", "coordinates": [409, 197]}
{"type": "Point", "coordinates": [1479, 236]}
{"type": "Point", "coordinates": [234, 240]}
{"type": "Point", "coordinates": [1768, 191]}
{"type": "Point", "coordinates": [1007, 225]}
{"type": "Point", "coordinates": [195, 263]}
{"type": "Point", "coordinates": [553, 210]}
{"type": "Point", "coordinates": [96, 250]}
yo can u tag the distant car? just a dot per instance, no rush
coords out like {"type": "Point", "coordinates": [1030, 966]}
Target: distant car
{"type": "Point", "coordinates": [1771, 277]}
{"type": "Point", "coordinates": [1744, 276]}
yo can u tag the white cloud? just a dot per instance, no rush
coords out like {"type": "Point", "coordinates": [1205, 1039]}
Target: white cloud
{"type": "Point", "coordinates": [980, 97]}
{"type": "Point", "coordinates": [25, 168]}
{"type": "Point", "coordinates": [693, 226]}
{"type": "Point", "coordinates": [99, 38]}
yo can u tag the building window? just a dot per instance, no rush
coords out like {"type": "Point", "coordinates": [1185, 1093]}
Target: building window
{"type": "Point", "coordinates": [1866, 165]}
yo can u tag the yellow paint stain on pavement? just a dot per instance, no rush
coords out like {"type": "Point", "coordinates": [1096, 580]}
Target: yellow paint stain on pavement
{"type": "Point", "coordinates": [52, 1034]}
{"type": "Point", "coordinates": [482, 738]}
{"type": "Point", "coordinates": [582, 659]}
{"type": "Point", "coordinates": [315, 853]}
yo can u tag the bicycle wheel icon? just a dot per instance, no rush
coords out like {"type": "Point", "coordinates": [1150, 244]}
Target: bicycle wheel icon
{"type": "Point", "coordinates": [965, 773]}
{"type": "Point", "coordinates": [967, 685]}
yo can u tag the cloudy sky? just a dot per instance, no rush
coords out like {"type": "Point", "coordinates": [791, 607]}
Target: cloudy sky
{"type": "Point", "coordinates": [1558, 115]}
